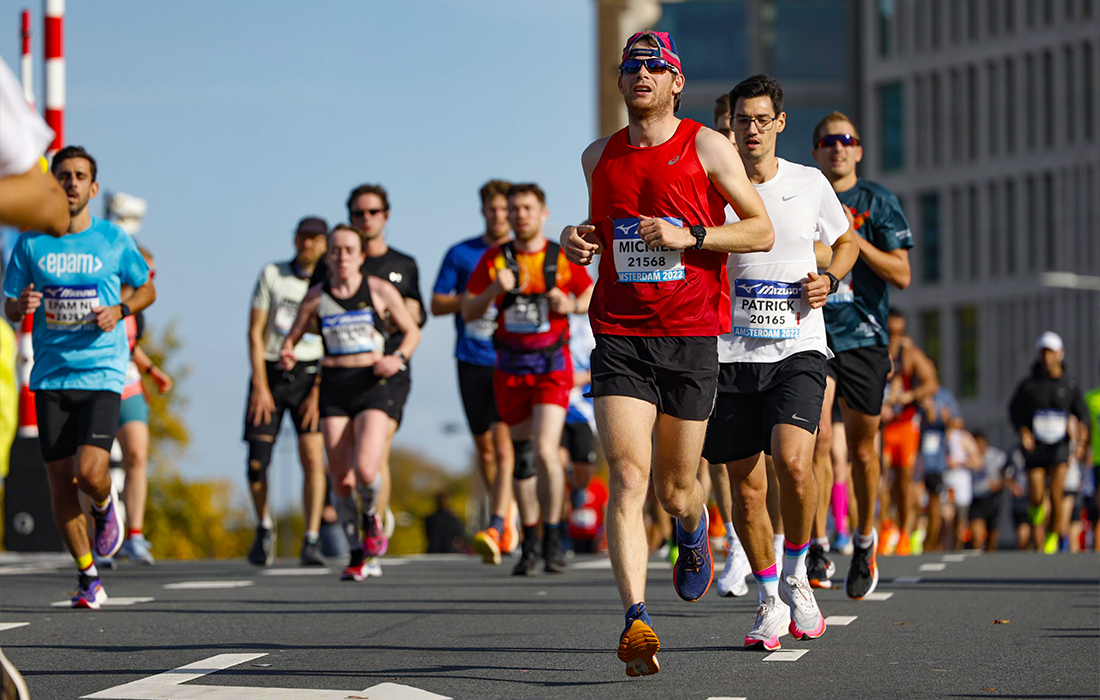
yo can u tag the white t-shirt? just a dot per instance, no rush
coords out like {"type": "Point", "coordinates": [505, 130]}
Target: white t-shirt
{"type": "Point", "coordinates": [279, 291]}
{"type": "Point", "coordinates": [24, 137]}
{"type": "Point", "coordinates": [771, 318]}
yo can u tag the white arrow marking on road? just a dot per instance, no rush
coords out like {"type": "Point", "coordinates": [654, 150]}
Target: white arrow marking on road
{"type": "Point", "coordinates": [879, 596]}
{"type": "Point", "coordinates": [840, 620]}
{"type": "Point", "coordinates": [786, 655]}
{"type": "Point", "coordinates": [167, 686]}
{"type": "Point", "coordinates": [953, 557]}
{"type": "Point", "coordinates": [4, 626]}
{"type": "Point", "coordinates": [932, 567]}
{"type": "Point", "coordinates": [907, 579]}
{"type": "Point", "coordinates": [189, 585]}
{"type": "Point", "coordinates": [114, 600]}
{"type": "Point", "coordinates": [312, 571]}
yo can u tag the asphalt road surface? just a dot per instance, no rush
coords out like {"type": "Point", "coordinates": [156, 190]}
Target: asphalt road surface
{"type": "Point", "coordinates": [946, 626]}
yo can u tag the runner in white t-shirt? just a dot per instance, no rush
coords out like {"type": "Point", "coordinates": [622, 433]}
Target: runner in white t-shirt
{"type": "Point", "coordinates": [772, 376]}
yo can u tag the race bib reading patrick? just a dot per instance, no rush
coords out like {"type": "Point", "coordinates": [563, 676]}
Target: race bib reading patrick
{"type": "Point", "coordinates": [767, 309]}
{"type": "Point", "coordinates": [634, 262]}
{"type": "Point", "coordinates": [349, 333]}
{"type": "Point", "coordinates": [69, 307]}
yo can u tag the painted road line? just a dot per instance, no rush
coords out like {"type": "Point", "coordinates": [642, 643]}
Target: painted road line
{"type": "Point", "coordinates": [725, 697]}
{"type": "Point", "coordinates": [111, 600]}
{"type": "Point", "coordinates": [593, 564]}
{"type": "Point", "coordinates": [879, 596]}
{"type": "Point", "coordinates": [304, 571]}
{"type": "Point", "coordinates": [840, 620]}
{"type": "Point", "coordinates": [167, 686]}
{"type": "Point", "coordinates": [907, 579]}
{"type": "Point", "coordinates": [786, 655]}
{"type": "Point", "coordinates": [199, 585]}
{"type": "Point", "coordinates": [4, 626]}
{"type": "Point", "coordinates": [932, 567]}
{"type": "Point", "coordinates": [953, 557]}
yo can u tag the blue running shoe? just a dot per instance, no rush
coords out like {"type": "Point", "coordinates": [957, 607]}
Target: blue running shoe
{"type": "Point", "coordinates": [136, 549]}
{"type": "Point", "coordinates": [843, 544]}
{"type": "Point", "coordinates": [694, 568]}
{"type": "Point", "coordinates": [108, 528]}
{"type": "Point", "coordinates": [89, 592]}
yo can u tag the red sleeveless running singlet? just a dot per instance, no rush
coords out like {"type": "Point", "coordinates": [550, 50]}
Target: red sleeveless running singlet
{"type": "Point", "coordinates": [645, 292]}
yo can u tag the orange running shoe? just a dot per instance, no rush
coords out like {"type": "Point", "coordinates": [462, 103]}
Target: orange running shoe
{"type": "Point", "coordinates": [638, 644]}
{"type": "Point", "coordinates": [905, 545]}
{"type": "Point", "coordinates": [487, 544]}
{"type": "Point", "coordinates": [509, 539]}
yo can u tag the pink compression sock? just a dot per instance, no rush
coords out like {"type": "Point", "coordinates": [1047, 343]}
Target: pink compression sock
{"type": "Point", "coordinates": [839, 507]}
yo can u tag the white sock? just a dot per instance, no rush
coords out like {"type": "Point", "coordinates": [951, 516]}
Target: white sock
{"type": "Point", "coordinates": [777, 543]}
{"type": "Point", "coordinates": [368, 494]}
{"type": "Point", "coordinates": [823, 542]}
{"type": "Point", "coordinates": [731, 535]}
{"type": "Point", "coordinates": [864, 541]}
{"type": "Point", "coordinates": [795, 564]}
{"type": "Point", "coordinates": [267, 523]}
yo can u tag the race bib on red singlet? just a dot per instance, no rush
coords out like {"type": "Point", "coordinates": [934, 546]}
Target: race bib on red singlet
{"type": "Point", "coordinates": [529, 314]}
{"type": "Point", "coordinates": [69, 307]}
{"type": "Point", "coordinates": [634, 262]}
{"type": "Point", "coordinates": [767, 309]}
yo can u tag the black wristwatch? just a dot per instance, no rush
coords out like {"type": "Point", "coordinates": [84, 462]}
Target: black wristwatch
{"type": "Point", "coordinates": [834, 284]}
{"type": "Point", "coordinates": [124, 309]}
{"type": "Point", "coordinates": [700, 233]}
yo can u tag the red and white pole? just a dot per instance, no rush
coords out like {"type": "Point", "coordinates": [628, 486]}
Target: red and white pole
{"type": "Point", "coordinates": [55, 72]}
{"type": "Point", "coordinates": [27, 65]}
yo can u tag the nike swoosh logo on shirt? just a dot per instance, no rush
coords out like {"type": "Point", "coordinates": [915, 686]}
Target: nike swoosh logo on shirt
{"type": "Point", "coordinates": [99, 437]}
{"type": "Point", "coordinates": [795, 416]}
{"type": "Point", "coordinates": [790, 196]}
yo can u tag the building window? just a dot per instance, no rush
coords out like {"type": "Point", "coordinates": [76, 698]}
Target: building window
{"type": "Point", "coordinates": [993, 107]}
{"type": "Point", "coordinates": [920, 26]}
{"type": "Point", "coordinates": [1031, 78]}
{"type": "Point", "coordinates": [991, 11]}
{"type": "Point", "coordinates": [1048, 101]}
{"type": "Point", "coordinates": [886, 17]}
{"type": "Point", "coordinates": [1032, 12]}
{"type": "Point", "coordinates": [956, 20]}
{"type": "Point", "coordinates": [1070, 71]}
{"type": "Point", "coordinates": [972, 19]}
{"type": "Point", "coordinates": [932, 342]}
{"type": "Point", "coordinates": [1033, 204]}
{"type": "Point", "coordinates": [1010, 105]}
{"type": "Point", "coordinates": [958, 234]}
{"type": "Point", "coordinates": [937, 118]}
{"type": "Point", "coordinates": [892, 125]}
{"type": "Point", "coordinates": [972, 111]}
{"type": "Point", "coordinates": [966, 322]}
{"type": "Point", "coordinates": [706, 31]}
{"type": "Point", "coordinates": [957, 125]}
{"type": "Point", "coordinates": [1068, 10]}
{"type": "Point", "coordinates": [1088, 99]}
{"type": "Point", "coordinates": [1048, 12]}
{"type": "Point", "coordinates": [1010, 226]}
{"type": "Point", "coordinates": [797, 26]}
{"type": "Point", "coordinates": [1010, 15]}
{"type": "Point", "coordinates": [996, 228]}
{"type": "Point", "coordinates": [935, 20]}
{"type": "Point", "coordinates": [1051, 227]}
{"type": "Point", "coordinates": [973, 232]}
{"type": "Point", "coordinates": [924, 142]}
{"type": "Point", "coordinates": [930, 237]}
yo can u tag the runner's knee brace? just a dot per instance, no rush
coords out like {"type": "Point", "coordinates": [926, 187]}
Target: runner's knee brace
{"type": "Point", "coordinates": [259, 457]}
{"type": "Point", "coordinates": [525, 459]}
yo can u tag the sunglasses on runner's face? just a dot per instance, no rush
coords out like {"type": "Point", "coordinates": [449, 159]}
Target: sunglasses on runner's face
{"type": "Point", "coordinates": [356, 213]}
{"type": "Point", "coordinates": [834, 139]}
{"type": "Point", "coordinates": [653, 65]}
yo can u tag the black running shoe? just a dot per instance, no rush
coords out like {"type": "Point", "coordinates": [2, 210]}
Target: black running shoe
{"type": "Point", "coordinates": [262, 552]}
{"type": "Point", "coordinates": [863, 572]}
{"type": "Point", "coordinates": [554, 556]}
{"type": "Point", "coordinates": [817, 567]}
{"type": "Point", "coordinates": [311, 554]}
{"type": "Point", "coordinates": [528, 564]}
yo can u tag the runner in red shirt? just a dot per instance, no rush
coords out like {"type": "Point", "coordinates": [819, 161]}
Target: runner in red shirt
{"type": "Point", "coordinates": [658, 190]}
{"type": "Point", "coordinates": [534, 288]}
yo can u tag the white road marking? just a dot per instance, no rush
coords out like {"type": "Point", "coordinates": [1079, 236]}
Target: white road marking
{"type": "Point", "coordinates": [4, 626]}
{"type": "Point", "coordinates": [907, 579]}
{"type": "Point", "coordinates": [193, 585]}
{"type": "Point", "coordinates": [304, 571]}
{"type": "Point", "coordinates": [26, 569]}
{"type": "Point", "coordinates": [167, 686]}
{"type": "Point", "coordinates": [840, 620]}
{"type": "Point", "coordinates": [111, 600]}
{"type": "Point", "coordinates": [932, 567]}
{"type": "Point", "coordinates": [606, 564]}
{"type": "Point", "coordinates": [786, 655]}
{"type": "Point", "coordinates": [953, 557]}
{"type": "Point", "coordinates": [724, 697]}
{"type": "Point", "coordinates": [878, 595]}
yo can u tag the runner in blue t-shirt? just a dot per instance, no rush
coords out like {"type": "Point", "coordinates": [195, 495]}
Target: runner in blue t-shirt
{"type": "Point", "coordinates": [476, 362]}
{"type": "Point", "coordinates": [855, 325]}
{"type": "Point", "coordinates": [72, 286]}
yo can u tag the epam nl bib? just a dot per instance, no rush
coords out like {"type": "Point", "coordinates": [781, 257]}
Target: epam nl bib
{"type": "Point", "coordinates": [69, 307]}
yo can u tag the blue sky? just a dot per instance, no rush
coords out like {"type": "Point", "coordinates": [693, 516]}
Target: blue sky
{"type": "Point", "coordinates": [234, 119]}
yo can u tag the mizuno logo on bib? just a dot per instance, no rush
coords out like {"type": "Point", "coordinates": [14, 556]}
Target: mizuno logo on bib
{"type": "Point", "coordinates": [349, 333]}
{"type": "Point", "coordinates": [767, 309]}
{"type": "Point", "coordinates": [634, 262]}
{"type": "Point", "coordinates": [69, 307]}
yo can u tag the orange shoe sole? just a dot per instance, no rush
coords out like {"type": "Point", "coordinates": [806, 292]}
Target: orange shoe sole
{"type": "Point", "coordinates": [638, 649]}
{"type": "Point", "coordinates": [486, 545]}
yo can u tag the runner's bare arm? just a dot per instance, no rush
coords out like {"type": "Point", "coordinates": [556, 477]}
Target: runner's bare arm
{"type": "Point", "coordinates": [584, 299]}
{"type": "Point", "coordinates": [925, 371]}
{"type": "Point", "coordinates": [841, 257]}
{"type": "Point", "coordinates": [446, 304]}
{"type": "Point", "coordinates": [109, 316]}
{"type": "Point", "coordinates": [257, 321]}
{"type": "Point", "coordinates": [392, 301]}
{"type": "Point", "coordinates": [27, 303]}
{"type": "Point", "coordinates": [580, 243]}
{"type": "Point", "coordinates": [474, 306]}
{"type": "Point", "coordinates": [890, 265]}
{"type": "Point", "coordinates": [306, 311]}
{"type": "Point", "coordinates": [754, 232]}
{"type": "Point", "coordinates": [34, 201]}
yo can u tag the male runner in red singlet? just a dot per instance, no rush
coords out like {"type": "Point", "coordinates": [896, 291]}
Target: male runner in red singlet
{"type": "Point", "coordinates": [658, 190]}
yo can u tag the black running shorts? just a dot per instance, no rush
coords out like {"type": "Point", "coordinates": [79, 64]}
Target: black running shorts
{"type": "Point", "coordinates": [348, 391]}
{"type": "Point", "coordinates": [289, 390]}
{"type": "Point", "coordinates": [579, 440]}
{"type": "Point", "coordinates": [754, 397]}
{"type": "Point", "coordinates": [475, 384]}
{"type": "Point", "coordinates": [69, 418]}
{"type": "Point", "coordinates": [933, 482]}
{"type": "Point", "coordinates": [860, 376]}
{"type": "Point", "coordinates": [678, 375]}
{"type": "Point", "coordinates": [986, 508]}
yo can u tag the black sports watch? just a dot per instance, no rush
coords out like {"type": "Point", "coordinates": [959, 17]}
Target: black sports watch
{"type": "Point", "coordinates": [834, 284]}
{"type": "Point", "coordinates": [700, 233]}
{"type": "Point", "coordinates": [124, 309]}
